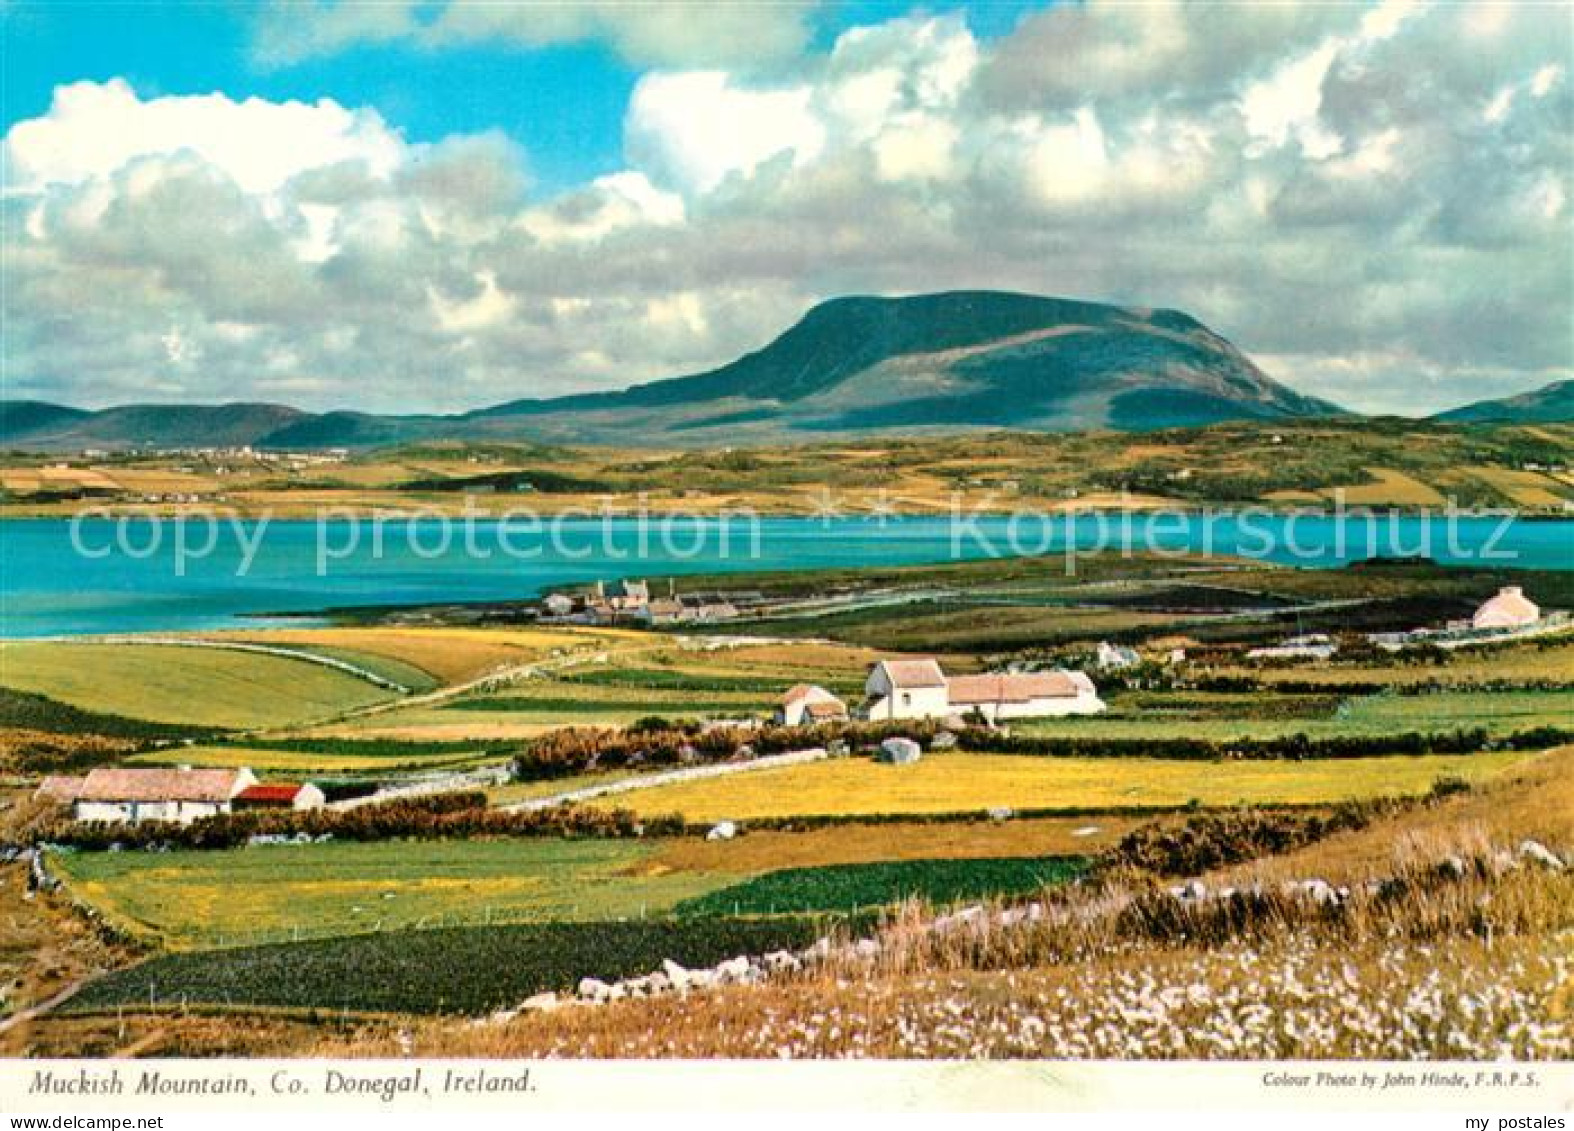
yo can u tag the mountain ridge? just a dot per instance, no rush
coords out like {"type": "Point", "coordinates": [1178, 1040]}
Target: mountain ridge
{"type": "Point", "coordinates": [1552, 403]}
{"type": "Point", "coordinates": [943, 362]}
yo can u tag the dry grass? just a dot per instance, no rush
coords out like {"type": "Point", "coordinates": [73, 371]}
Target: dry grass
{"type": "Point", "coordinates": [856, 844]}
{"type": "Point", "coordinates": [950, 783]}
{"type": "Point", "coordinates": [1439, 967]}
{"type": "Point", "coordinates": [1392, 488]}
{"type": "Point", "coordinates": [44, 947]}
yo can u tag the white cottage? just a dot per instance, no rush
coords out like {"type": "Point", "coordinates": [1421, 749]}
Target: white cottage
{"type": "Point", "coordinates": [180, 795]}
{"type": "Point", "coordinates": [906, 689]}
{"type": "Point", "coordinates": [809, 703]}
{"type": "Point", "coordinates": [1030, 695]}
{"type": "Point", "coordinates": [920, 689]}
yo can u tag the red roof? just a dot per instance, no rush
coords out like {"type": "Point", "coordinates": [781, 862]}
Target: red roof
{"type": "Point", "coordinates": [283, 792]}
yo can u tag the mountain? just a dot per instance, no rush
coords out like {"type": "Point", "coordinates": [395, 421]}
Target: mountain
{"type": "Point", "coordinates": [980, 359]}
{"type": "Point", "coordinates": [1546, 405]}
{"type": "Point", "coordinates": [927, 363]}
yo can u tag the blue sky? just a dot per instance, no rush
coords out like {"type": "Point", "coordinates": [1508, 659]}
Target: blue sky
{"type": "Point", "coordinates": [564, 103]}
{"type": "Point", "coordinates": [435, 205]}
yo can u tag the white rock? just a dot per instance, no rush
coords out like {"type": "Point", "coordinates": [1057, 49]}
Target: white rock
{"type": "Point", "coordinates": [594, 989]}
{"type": "Point", "coordinates": [724, 830]}
{"type": "Point", "coordinates": [900, 751]}
{"type": "Point", "coordinates": [677, 977]}
{"type": "Point", "coordinates": [866, 948]}
{"type": "Point", "coordinates": [1535, 851]}
{"type": "Point", "coordinates": [734, 971]}
{"type": "Point", "coordinates": [782, 960]}
{"type": "Point", "coordinates": [543, 1003]}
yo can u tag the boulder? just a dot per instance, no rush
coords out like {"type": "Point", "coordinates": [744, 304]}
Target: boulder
{"type": "Point", "coordinates": [782, 961]}
{"type": "Point", "coordinates": [677, 977]}
{"type": "Point", "coordinates": [594, 989]}
{"type": "Point", "coordinates": [945, 740]}
{"type": "Point", "coordinates": [723, 830]}
{"type": "Point", "coordinates": [900, 751]}
{"type": "Point", "coordinates": [735, 971]}
{"type": "Point", "coordinates": [543, 1003]}
{"type": "Point", "coordinates": [1001, 813]}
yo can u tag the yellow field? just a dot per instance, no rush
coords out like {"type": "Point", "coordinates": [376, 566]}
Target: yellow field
{"type": "Point", "coordinates": [1526, 488]}
{"type": "Point", "coordinates": [198, 686]}
{"type": "Point", "coordinates": [765, 851]}
{"type": "Point", "coordinates": [975, 782]}
{"type": "Point", "coordinates": [1393, 488]}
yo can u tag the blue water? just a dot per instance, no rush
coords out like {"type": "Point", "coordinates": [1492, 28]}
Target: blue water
{"type": "Point", "coordinates": [100, 576]}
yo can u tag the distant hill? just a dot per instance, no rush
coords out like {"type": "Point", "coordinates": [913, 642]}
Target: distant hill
{"type": "Point", "coordinates": [1549, 404]}
{"type": "Point", "coordinates": [962, 360]}
{"type": "Point", "coordinates": [21, 419]}
{"type": "Point", "coordinates": [227, 425]}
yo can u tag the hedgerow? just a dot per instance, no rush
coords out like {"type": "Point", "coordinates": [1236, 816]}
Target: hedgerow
{"type": "Point", "coordinates": [433, 817]}
{"type": "Point", "coordinates": [1291, 747]}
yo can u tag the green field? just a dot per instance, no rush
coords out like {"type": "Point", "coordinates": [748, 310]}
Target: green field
{"type": "Point", "coordinates": [954, 783]}
{"type": "Point", "coordinates": [455, 970]}
{"type": "Point", "coordinates": [199, 899]}
{"type": "Point", "coordinates": [1266, 714]}
{"type": "Point", "coordinates": [203, 687]}
{"type": "Point", "coordinates": [854, 887]}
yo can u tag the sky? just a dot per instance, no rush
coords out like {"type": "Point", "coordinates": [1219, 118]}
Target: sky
{"type": "Point", "coordinates": [436, 205]}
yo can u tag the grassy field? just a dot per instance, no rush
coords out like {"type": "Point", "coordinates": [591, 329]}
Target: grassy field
{"type": "Point", "coordinates": [1549, 661]}
{"type": "Point", "coordinates": [204, 687]}
{"type": "Point", "coordinates": [950, 783]}
{"type": "Point", "coordinates": [446, 655]}
{"type": "Point", "coordinates": [195, 899]}
{"type": "Point", "coordinates": [1265, 715]}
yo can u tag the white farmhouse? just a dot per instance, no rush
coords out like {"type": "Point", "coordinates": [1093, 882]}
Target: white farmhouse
{"type": "Point", "coordinates": [181, 795]}
{"type": "Point", "coordinates": [920, 689]}
{"type": "Point", "coordinates": [1030, 695]}
{"type": "Point", "coordinates": [1510, 608]}
{"type": "Point", "coordinates": [906, 689]}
